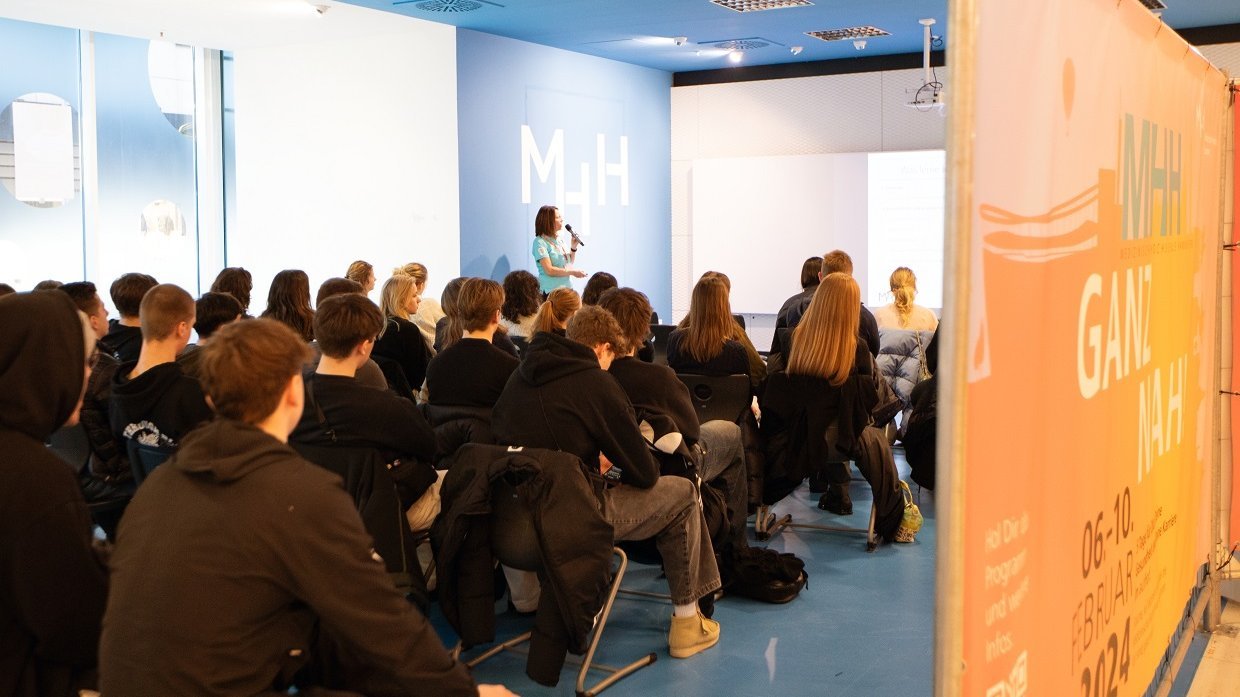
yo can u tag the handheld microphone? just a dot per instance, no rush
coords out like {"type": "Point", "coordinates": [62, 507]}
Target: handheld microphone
{"type": "Point", "coordinates": [575, 237]}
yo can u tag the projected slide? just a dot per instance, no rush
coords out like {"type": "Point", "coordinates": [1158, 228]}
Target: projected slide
{"type": "Point", "coordinates": [905, 223]}
{"type": "Point", "coordinates": [758, 218]}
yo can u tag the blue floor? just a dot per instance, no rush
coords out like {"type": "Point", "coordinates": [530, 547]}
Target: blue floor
{"type": "Point", "coordinates": [864, 626]}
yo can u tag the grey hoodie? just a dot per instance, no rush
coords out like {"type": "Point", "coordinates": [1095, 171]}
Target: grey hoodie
{"type": "Point", "coordinates": [225, 559]}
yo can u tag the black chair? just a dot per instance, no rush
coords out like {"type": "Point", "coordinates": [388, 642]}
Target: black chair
{"type": "Point", "coordinates": [723, 397]}
{"type": "Point", "coordinates": [143, 459]}
{"type": "Point", "coordinates": [521, 342]}
{"type": "Point", "coordinates": [106, 503]}
{"type": "Point", "coordinates": [514, 542]}
{"type": "Point", "coordinates": [660, 333]}
{"type": "Point", "coordinates": [72, 445]}
{"type": "Point", "coordinates": [740, 319]}
{"type": "Point", "coordinates": [766, 524]}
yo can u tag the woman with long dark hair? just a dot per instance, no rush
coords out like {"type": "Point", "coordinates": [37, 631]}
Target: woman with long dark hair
{"type": "Point", "coordinates": [521, 300]}
{"type": "Point", "coordinates": [288, 301]}
{"type": "Point", "coordinates": [238, 283]}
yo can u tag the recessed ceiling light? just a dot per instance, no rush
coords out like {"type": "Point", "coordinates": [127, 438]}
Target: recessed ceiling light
{"type": "Point", "coordinates": [848, 33]}
{"type": "Point", "coordinates": [758, 5]}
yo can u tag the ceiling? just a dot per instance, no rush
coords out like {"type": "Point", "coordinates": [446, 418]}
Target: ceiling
{"type": "Point", "coordinates": [640, 31]}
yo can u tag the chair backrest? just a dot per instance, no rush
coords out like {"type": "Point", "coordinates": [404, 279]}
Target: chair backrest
{"type": "Point", "coordinates": [660, 333]}
{"type": "Point", "coordinates": [72, 445]}
{"type": "Point", "coordinates": [740, 319]}
{"type": "Point", "coordinates": [521, 342]}
{"type": "Point", "coordinates": [143, 459]}
{"type": "Point", "coordinates": [514, 541]}
{"type": "Point", "coordinates": [723, 397]}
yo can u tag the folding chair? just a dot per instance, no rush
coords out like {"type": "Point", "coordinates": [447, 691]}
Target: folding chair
{"type": "Point", "coordinates": [766, 524]}
{"type": "Point", "coordinates": [722, 397]}
{"type": "Point", "coordinates": [514, 543]}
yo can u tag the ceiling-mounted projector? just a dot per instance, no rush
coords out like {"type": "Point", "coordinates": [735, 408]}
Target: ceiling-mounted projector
{"type": "Point", "coordinates": [930, 94]}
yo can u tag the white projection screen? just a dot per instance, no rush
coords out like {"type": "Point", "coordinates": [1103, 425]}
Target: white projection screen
{"type": "Point", "coordinates": [758, 218]}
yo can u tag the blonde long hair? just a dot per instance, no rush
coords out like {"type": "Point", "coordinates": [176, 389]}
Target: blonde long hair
{"type": "Point", "coordinates": [395, 291]}
{"type": "Point", "coordinates": [824, 344]}
{"type": "Point", "coordinates": [904, 287]}
{"type": "Point", "coordinates": [709, 322]}
{"type": "Point", "coordinates": [415, 270]}
{"type": "Point", "coordinates": [556, 310]}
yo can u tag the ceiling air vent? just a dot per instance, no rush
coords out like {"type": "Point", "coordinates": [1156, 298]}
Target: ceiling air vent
{"type": "Point", "coordinates": [1154, 5]}
{"type": "Point", "coordinates": [446, 5]}
{"type": "Point", "coordinates": [848, 33]}
{"type": "Point", "coordinates": [756, 5]}
{"type": "Point", "coordinates": [740, 44]}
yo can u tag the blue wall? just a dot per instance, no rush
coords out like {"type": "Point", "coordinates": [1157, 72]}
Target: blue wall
{"type": "Point", "coordinates": [506, 85]}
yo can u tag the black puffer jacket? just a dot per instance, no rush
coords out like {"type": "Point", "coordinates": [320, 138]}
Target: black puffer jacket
{"type": "Point", "coordinates": [52, 586]}
{"type": "Point", "coordinates": [574, 546]}
{"type": "Point", "coordinates": [108, 459]}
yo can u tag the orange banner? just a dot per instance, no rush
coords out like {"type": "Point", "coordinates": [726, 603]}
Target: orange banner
{"type": "Point", "coordinates": [1089, 401]}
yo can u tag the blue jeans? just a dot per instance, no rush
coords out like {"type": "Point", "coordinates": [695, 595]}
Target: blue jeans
{"type": "Point", "coordinates": [670, 513]}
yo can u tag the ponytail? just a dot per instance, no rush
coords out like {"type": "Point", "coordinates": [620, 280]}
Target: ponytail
{"type": "Point", "coordinates": [904, 287]}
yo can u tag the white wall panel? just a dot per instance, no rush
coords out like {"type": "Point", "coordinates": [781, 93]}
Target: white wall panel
{"type": "Point", "coordinates": [348, 150]}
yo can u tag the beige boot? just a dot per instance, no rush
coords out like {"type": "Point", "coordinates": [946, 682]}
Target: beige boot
{"type": "Point", "coordinates": [691, 635]}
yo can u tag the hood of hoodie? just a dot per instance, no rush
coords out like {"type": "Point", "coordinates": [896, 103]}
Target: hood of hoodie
{"type": "Point", "coordinates": [226, 450]}
{"type": "Point", "coordinates": [550, 357]}
{"type": "Point", "coordinates": [42, 361]}
{"type": "Point", "coordinates": [141, 394]}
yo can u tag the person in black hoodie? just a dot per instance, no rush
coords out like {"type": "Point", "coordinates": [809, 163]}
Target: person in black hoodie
{"type": "Point", "coordinates": [52, 585]}
{"type": "Point", "coordinates": [655, 389]}
{"type": "Point", "coordinates": [124, 337]}
{"type": "Point", "coordinates": [562, 398]}
{"type": "Point", "coordinates": [153, 401]}
{"type": "Point", "coordinates": [236, 549]}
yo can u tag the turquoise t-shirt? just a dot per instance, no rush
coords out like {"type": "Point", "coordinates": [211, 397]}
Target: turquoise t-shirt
{"type": "Point", "coordinates": [546, 249]}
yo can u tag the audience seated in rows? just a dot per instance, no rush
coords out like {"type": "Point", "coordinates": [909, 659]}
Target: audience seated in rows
{"type": "Point", "coordinates": [264, 574]}
{"type": "Point", "coordinates": [288, 301]}
{"type": "Point", "coordinates": [53, 585]}
{"type": "Point", "coordinates": [561, 397]}
{"type": "Point", "coordinates": [124, 337]}
{"type": "Point", "coordinates": [153, 401]}
{"type": "Point", "coordinates": [521, 301]}
{"type": "Point", "coordinates": [238, 283]}
{"type": "Point", "coordinates": [830, 380]}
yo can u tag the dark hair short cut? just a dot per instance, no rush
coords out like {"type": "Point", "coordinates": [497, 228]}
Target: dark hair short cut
{"type": "Point", "coordinates": [214, 311]}
{"type": "Point", "coordinates": [237, 282]}
{"type": "Point", "coordinates": [84, 294]}
{"type": "Point", "coordinates": [344, 321]}
{"type": "Point", "coordinates": [836, 261]}
{"type": "Point", "coordinates": [162, 309]}
{"type": "Point", "coordinates": [247, 365]}
{"type": "Point", "coordinates": [599, 283]}
{"type": "Point", "coordinates": [6, 289]}
{"type": "Point", "coordinates": [632, 311]}
{"type": "Point", "coordinates": [477, 303]}
{"type": "Point", "coordinates": [809, 272]}
{"type": "Point", "coordinates": [336, 286]}
{"type": "Point", "coordinates": [127, 292]}
{"type": "Point", "coordinates": [49, 284]}
{"type": "Point", "coordinates": [592, 325]}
